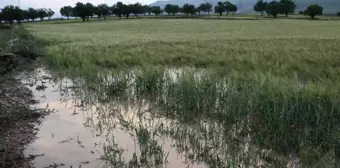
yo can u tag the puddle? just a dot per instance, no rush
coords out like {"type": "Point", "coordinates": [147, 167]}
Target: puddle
{"type": "Point", "coordinates": [128, 131]}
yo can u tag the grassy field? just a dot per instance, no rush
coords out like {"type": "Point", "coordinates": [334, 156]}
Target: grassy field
{"type": "Point", "coordinates": [283, 73]}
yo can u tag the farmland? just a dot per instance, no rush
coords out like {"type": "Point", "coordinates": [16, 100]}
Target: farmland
{"type": "Point", "coordinates": [277, 81]}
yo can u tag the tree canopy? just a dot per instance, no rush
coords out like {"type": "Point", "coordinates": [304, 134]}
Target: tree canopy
{"type": "Point", "coordinates": [156, 10]}
{"type": "Point", "coordinates": [260, 6]}
{"type": "Point", "coordinates": [32, 14]}
{"type": "Point", "coordinates": [189, 9]}
{"type": "Point", "coordinates": [273, 8]}
{"type": "Point", "coordinates": [102, 10]}
{"type": "Point", "coordinates": [220, 8]}
{"type": "Point", "coordinates": [229, 7]}
{"type": "Point", "coordinates": [50, 13]}
{"type": "Point", "coordinates": [66, 11]}
{"type": "Point", "coordinates": [225, 7]}
{"type": "Point", "coordinates": [11, 13]}
{"type": "Point", "coordinates": [204, 7]}
{"type": "Point", "coordinates": [42, 13]}
{"type": "Point", "coordinates": [313, 10]}
{"type": "Point", "coordinates": [287, 6]}
{"type": "Point", "coordinates": [171, 9]}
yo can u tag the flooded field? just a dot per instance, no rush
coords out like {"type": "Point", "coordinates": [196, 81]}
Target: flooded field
{"type": "Point", "coordinates": [117, 124]}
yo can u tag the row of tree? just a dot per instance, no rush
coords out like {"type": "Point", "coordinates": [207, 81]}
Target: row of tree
{"type": "Point", "coordinates": [12, 13]}
{"type": "Point", "coordinates": [285, 7]}
{"type": "Point", "coordinates": [86, 10]}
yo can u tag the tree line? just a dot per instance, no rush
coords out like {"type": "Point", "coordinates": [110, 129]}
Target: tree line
{"type": "Point", "coordinates": [285, 7]}
{"type": "Point", "coordinates": [272, 8]}
{"type": "Point", "coordinates": [11, 13]}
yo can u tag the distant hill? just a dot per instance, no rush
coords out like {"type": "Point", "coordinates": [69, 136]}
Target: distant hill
{"type": "Point", "coordinates": [246, 6]}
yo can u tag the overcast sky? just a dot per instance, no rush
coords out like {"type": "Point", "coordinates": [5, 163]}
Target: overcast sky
{"type": "Point", "coordinates": [57, 4]}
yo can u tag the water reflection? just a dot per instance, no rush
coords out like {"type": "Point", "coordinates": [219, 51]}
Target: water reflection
{"type": "Point", "coordinates": [129, 120]}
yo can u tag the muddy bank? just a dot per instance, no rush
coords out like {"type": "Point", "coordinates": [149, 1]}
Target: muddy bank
{"type": "Point", "coordinates": [17, 122]}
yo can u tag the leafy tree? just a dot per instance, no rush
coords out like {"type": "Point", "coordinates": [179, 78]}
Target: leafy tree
{"type": "Point", "coordinates": [229, 7]}
{"type": "Point", "coordinates": [207, 7]}
{"type": "Point", "coordinates": [273, 8]}
{"type": "Point", "coordinates": [25, 15]}
{"type": "Point", "coordinates": [42, 13]}
{"type": "Point", "coordinates": [102, 10]}
{"type": "Point", "coordinates": [11, 13]}
{"type": "Point", "coordinates": [50, 13]}
{"type": "Point", "coordinates": [313, 10]}
{"type": "Point", "coordinates": [189, 9]}
{"type": "Point", "coordinates": [90, 9]}
{"type": "Point", "coordinates": [220, 8]}
{"type": "Point", "coordinates": [137, 9]}
{"type": "Point", "coordinates": [204, 7]}
{"type": "Point", "coordinates": [301, 12]}
{"type": "Point", "coordinates": [66, 11]}
{"type": "Point", "coordinates": [287, 6]}
{"type": "Point", "coordinates": [127, 10]}
{"type": "Point", "coordinates": [148, 9]}
{"type": "Point", "coordinates": [118, 9]}
{"type": "Point", "coordinates": [156, 10]}
{"type": "Point", "coordinates": [32, 14]}
{"type": "Point", "coordinates": [170, 8]}
{"type": "Point", "coordinates": [80, 10]}
{"type": "Point", "coordinates": [260, 6]}
{"type": "Point", "coordinates": [199, 9]}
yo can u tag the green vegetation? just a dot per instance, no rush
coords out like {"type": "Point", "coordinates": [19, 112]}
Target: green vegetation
{"type": "Point", "coordinates": [286, 80]}
{"type": "Point", "coordinates": [260, 6]}
{"type": "Point", "coordinates": [225, 7]}
{"type": "Point", "coordinates": [199, 43]}
{"type": "Point", "coordinates": [276, 81]}
{"type": "Point", "coordinates": [313, 10]}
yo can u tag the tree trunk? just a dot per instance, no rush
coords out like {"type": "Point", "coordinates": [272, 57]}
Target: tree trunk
{"type": "Point", "coordinates": [220, 13]}
{"type": "Point", "coordinates": [312, 17]}
{"type": "Point", "coordinates": [275, 15]}
{"type": "Point", "coordinates": [261, 13]}
{"type": "Point", "coordinates": [68, 18]}
{"type": "Point", "coordinates": [286, 14]}
{"type": "Point", "coordinates": [83, 18]}
{"type": "Point", "coordinates": [227, 13]}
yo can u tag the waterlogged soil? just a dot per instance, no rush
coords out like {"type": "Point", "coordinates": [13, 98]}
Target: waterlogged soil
{"type": "Point", "coordinates": [82, 133]}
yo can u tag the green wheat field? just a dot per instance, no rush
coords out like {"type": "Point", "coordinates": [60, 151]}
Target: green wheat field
{"type": "Point", "coordinates": [280, 79]}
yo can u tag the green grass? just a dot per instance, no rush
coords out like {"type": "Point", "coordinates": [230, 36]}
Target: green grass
{"type": "Point", "coordinates": [5, 36]}
{"type": "Point", "coordinates": [281, 76]}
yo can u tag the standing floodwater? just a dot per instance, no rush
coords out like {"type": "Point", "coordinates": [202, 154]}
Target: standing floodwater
{"type": "Point", "coordinates": [121, 122]}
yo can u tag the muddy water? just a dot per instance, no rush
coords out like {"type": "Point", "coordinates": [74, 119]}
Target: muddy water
{"type": "Point", "coordinates": [73, 136]}
{"type": "Point", "coordinates": [85, 132]}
